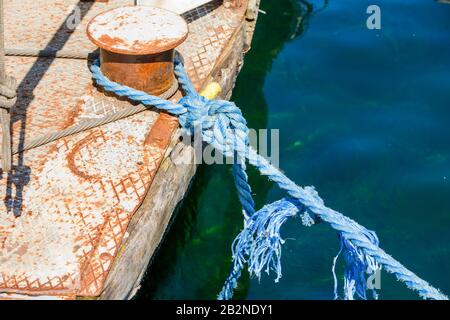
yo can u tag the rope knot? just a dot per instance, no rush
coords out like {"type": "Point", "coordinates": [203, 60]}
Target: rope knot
{"type": "Point", "coordinates": [220, 122]}
{"type": "Point", "coordinates": [197, 112]}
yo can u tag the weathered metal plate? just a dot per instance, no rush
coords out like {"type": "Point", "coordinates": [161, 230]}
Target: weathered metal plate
{"type": "Point", "coordinates": [67, 205]}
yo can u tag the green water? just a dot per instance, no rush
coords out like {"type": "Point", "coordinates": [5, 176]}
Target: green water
{"type": "Point", "coordinates": [364, 116]}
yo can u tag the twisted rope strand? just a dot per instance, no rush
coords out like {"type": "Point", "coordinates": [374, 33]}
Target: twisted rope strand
{"type": "Point", "coordinates": [65, 54]}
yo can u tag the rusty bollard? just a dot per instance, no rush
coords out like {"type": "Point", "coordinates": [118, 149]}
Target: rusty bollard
{"type": "Point", "coordinates": [137, 46]}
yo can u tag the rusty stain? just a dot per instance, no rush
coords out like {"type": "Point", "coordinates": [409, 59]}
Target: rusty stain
{"type": "Point", "coordinates": [150, 73]}
{"type": "Point", "coordinates": [68, 225]}
{"type": "Point", "coordinates": [76, 149]}
{"type": "Point", "coordinates": [159, 135]}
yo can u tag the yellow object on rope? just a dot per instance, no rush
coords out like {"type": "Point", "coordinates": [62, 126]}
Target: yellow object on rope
{"type": "Point", "coordinates": [211, 91]}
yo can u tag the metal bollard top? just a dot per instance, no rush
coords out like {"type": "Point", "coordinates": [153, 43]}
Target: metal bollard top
{"type": "Point", "coordinates": [137, 30]}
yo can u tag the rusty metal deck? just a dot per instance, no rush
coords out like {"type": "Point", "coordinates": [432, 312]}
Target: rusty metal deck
{"type": "Point", "coordinates": [67, 204]}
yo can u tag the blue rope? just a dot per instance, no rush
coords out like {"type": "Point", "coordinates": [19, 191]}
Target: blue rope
{"type": "Point", "coordinates": [259, 244]}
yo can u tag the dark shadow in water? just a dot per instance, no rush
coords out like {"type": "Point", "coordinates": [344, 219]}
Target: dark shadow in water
{"type": "Point", "coordinates": [19, 176]}
{"type": "Point", "coordinates": [195, 256]}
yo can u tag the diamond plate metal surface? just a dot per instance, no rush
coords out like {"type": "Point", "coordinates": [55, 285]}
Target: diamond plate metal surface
{"type": "Point", "coordinates": [67, 204]}
{"type": "Point", "coordinates": [211, 26]}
